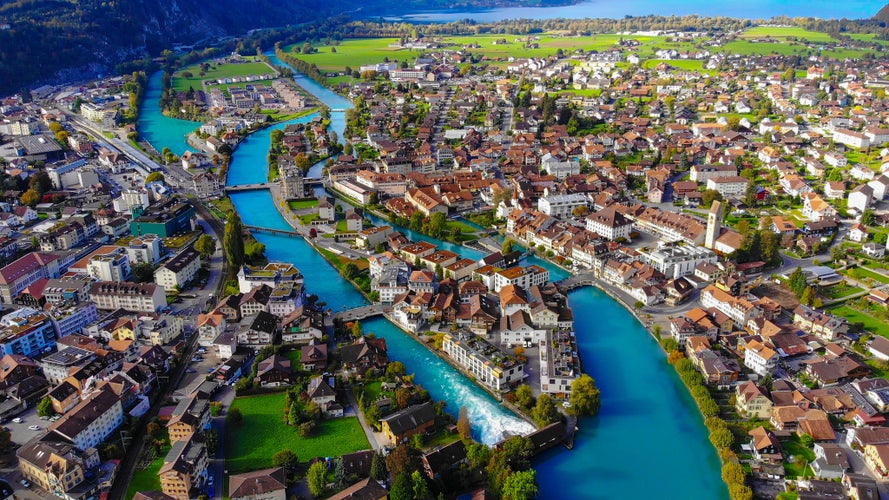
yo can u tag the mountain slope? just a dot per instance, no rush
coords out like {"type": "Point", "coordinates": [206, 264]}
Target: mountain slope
{"type": "Point", "coordinates": [883, 14]}
{"type": "Point", "coordinates": [47, 37]}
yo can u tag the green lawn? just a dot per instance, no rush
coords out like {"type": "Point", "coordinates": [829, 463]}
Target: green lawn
{"type": "Point", "coordinates": [217, 71]}
{"type": "Point", "coordinates": [863, 274]}
{"type": "Point", "coordinates": [686, 64]}
{"type": "Point", "coordinates": [870, 323]}
{"type": "Point", "coordinates": [465, 228]}
{"type": "Point", "coordinates": [302, 204]}
{"type": "Point", "coordinates": [372, 391]}
{"type": "Point", "coordinates": [341, 226]}
{"type": "Point", "coordinates": [785, 32]}
{"type": "Point", "coordinates": [841, 290]}
{"type": "Point", "coordinates": [802, 457]}
{"type": "Point", "coordinates": [308, 218]}
{"type": "Point", "coordinates": [147, 479]}
{"type": "Point", "coordinates": [746, 48]}
{"type": "Point", "coordinates": [263, 433]}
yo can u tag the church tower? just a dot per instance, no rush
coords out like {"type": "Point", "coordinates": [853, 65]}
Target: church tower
{"type": "Point", "coordinates": [714, 224]}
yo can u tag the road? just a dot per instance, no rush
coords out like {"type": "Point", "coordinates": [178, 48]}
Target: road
{"type": "Point", "coordinates": [216, 468]}
{"type": "Point", "coordinates": [368, 430]}
{"type": "Point", "coordinates": [859, 467]}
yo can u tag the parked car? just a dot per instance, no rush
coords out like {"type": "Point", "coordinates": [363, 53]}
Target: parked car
{"type": "Point", "coordinates": [17, 420]}
{"type": "Point", "coordinates": [34, 427]}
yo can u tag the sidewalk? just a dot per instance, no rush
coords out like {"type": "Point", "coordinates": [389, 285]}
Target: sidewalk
{"type": "Point", "coordinates": [368, 430]}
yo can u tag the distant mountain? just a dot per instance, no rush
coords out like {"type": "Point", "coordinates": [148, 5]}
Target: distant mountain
{"type": "Point", "coordinates": [883, 14]}
{"type": "Point", "coordinates": [57, 40]}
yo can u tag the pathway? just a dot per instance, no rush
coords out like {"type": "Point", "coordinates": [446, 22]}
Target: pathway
{"type": "Point", "coordinates": [368, 430]}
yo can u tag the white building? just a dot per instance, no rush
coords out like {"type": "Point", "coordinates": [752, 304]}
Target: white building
{"type": "Point", "coordinates": [138, 297]}
{"type": "Point", "coordinates": [91, 422]}
{"type": "Point", "coordinates": [490, 365]}
{"type": "Point", "coordinates": [178, 271]}
{"type": "Point", "coordinates": [271, 274]}
{"type": "Point", "coordinates": [559, 168]}
{"type": "Point", "coordinates": [729, 187]}
{"type": "Point", "coordinates": [759, 358]}
{"type": "Point", "coordinates": [860, 198]}
{"type": "Point", "coordinates": [609, 223]}
{"type": "Point", "coordinates": [677, 260]}
{"type": "Point", "coordinates": [525, 277]}
{"type": "Point", "coordinates": [146, 249]}
{"type": "Point", "coordinates": [114, 266]}
{"type": "Point", "coordinates": [561, 205]}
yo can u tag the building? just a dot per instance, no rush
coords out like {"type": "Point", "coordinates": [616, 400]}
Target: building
{"type": "Point", "coordinates": [93, 419]}
{"type": "Point", "coordinates": [714, 224]}
{"type": "Point", "coordinates": [184, 468]}
{"type": "Point", "coordinates": [490, 365]}
{"type": "Point", "coordinates": [265, 484]}
{"type": "Point", "coordinates": [677, 260]}
{"type": "Point", "coordinates": [609, 223]}
{"type": "Point", "coordinates": [177, 272]}
{"type": "Point", "coordinates": [146, 249]}
{"type": "Point", "coordinates": [137, 297]}
{"type": "Point", "coordinates": [751, 401]}
{"type": "Point", "coordinates": [164, 219]}
{"type": "Point", "coordinates": [738, 309]}
{"type": "Point", "coordinates": [27, 332]}
{"type": "Point", "coordinates": [525, 277]}
{"type": "Point", "coordinates": [112, 266]}
{"type": "Point", "coordinates": [56, 467]}
{"type": "Point", "coordinates": [561, 205]}
{"type": "Point", "coordinates": [271, 274]}
{"type": "Point", "coordinates": [559, 363]}
{"type": "Point", "coordinates": [191, 416]}
{"type": "Point", "coordinates": [18, 275]}
{"type": "Point", "coordinates": [206, 185]}
{"type": "Point", "coordinates": [401, 426]}
{"type": "Point", "coordinates": [292, 185]}
{"type": "Point", "coordinates": [729, 187]}
{"type": "Point", "coordinates": [760, 358]}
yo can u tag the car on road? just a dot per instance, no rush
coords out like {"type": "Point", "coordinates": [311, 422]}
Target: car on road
{"type": "Point", "coordinates": [191, 370]}
{"type": "Point", "coordinates": [25, 483]}
{"type": "Point", "coordinates": [34, 427]}
{"type": "Point", "coordinates": [210, 480]}
{"type": "Point", "coordinates": [17, 420]}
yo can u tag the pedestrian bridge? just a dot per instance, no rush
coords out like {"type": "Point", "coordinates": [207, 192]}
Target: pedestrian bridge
{"type": "Point", "coordinates": [362, 312]}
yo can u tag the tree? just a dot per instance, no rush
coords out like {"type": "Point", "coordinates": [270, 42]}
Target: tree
{"type": "Point", "coordinates": [520, 485]}
{"type": "Point", "coordinates": [732, 472]}
{"type": "Point", "coordinates": [402, 398]}
{"type": "Point", "coordinates": [416, 223]}
{"type": "Point", "coordinates": [402, 488]}
{"type": "Point", "coordinates": [205, 245]}
{"type": "Point", "coordinates": [402, 459]}
{"type": "Point", "coordinates": [808, 296]}
{"type": "Point", "coordinates": [396, 369]}
{"type": "Point", "coordinates": [585, 396]}
{"type": "Point", "coordinates": [316, 478]}
{"type": "Point", "coordinates": [507, 246]}
{"type": "Point", "coordinates": [418, 482]}
{"type": "Point", "coordinates": [234, 416]}
{"type": "Point", "coordinates": [154, 176]}
{"type": "Point", "coordinates": [464, 427]}
{"type": "Point", "coordinates": [233, 241]}
{"type": "Point", "coordinates": [44, 407]}
{"type": "Point", "coordinates": [340, 474]}
{"type": "Point", "coordinates": [143, 272]}
{"type": "Point", "coordinates": [5, 439]}
{"type": "Point", "coordinates": [40, 182]}
{"type": "Point", "coordinates": [797, 281]}
{"type": "Point", "coordinates": [517, 452]}
{"type": "Point", "coordinates": [709, 196]}
{"type": "Point", "coordinates": [286, 459]}
{"type": "Point", "coordinates": [378, 467]}
{"type": "Point", "coordinates": [545, 411]}
{"type": "Point", "coordinates": [350, 271]}
{"type": "Point", "coordinates": [477, 455]}
{"type": "Point", "coordinates": [722, 438]}
{"type": "Point", "coordinates": [30, 198]}
{"type": "Point", "coordinates": [357, 331]}
{"type": "Point", "coordinates": [157, 432]}
{"type": "Point", "coordinates": [868, 218]}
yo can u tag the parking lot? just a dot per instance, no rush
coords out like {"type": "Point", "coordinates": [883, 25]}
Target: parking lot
{"type": "Point", "coordinates": [21, 434]}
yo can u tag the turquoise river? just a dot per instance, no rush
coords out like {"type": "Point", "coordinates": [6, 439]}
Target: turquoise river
{"type": "Point", "coordinates": [648, 440]}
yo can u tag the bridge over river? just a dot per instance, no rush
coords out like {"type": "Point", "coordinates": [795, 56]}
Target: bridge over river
{"type": "Point", "coordinates": [362, 312]}
{"type": "Point", "coordinates": [308, 181]}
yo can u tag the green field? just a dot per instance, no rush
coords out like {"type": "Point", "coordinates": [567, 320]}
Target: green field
{"type": "Point", "coordinates": [357, 52]}
{"type": "Point", "coordinates": [863, 274]}
{"type": "Point", "coordinates": [302, 204]}
{"type": "Point", "coordinates": [746, 48]}
{"type": "Point", "coordinates": [802, 457]}
{"type": "Point", "coordinates": [147, 479]}
{"type": "Point", "coordinates": [181, 83]}
{"type": "Point", "coordinates": [686, 64]}
{"type": "Point", "coordinates": [263, 433]}
{"type": "Point", "coordinates": [784, 32]}
{"type": "Point", "coordinates": [870, 323]}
